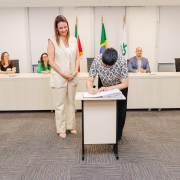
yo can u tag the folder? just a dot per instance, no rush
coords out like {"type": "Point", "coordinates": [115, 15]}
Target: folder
{"type": "Point", "coordinates": [106, 94]}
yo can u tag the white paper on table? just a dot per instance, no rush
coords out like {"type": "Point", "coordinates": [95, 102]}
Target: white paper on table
{"type": "Point", "coordinates": [110, 93]}
{"type": "Point", "coordinates": [12, 75]}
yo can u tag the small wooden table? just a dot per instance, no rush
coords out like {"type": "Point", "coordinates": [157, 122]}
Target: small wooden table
{"type": "Point", "coordinates": [99, 121]}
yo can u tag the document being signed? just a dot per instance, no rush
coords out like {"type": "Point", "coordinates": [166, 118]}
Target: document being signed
{"type": "Point", "coordinates": [110, 93]}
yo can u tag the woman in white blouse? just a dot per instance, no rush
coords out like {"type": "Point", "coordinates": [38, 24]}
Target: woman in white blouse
{"type": "Point", "coordinates": [64, 58]}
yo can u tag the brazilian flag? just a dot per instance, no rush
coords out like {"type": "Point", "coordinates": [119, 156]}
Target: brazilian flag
{"type": "Point", "coordinates": [103, 42]}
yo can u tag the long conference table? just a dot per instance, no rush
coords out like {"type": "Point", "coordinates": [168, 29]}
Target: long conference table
{"type": "Point", "coordinates": [31, 91]}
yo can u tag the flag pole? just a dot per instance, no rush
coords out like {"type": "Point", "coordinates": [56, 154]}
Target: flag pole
{"type": "Point", "coordinates": [77, 24]}
{"type": "Point", "coordinates": [124, 20]}
{"type": "Point", "coordinates": [101, 19]}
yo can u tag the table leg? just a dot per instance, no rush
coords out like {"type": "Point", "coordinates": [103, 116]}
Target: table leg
{"type": "Point", "coordinates": [82, 130]}
{"type": "Point", "coordinates": [116, 145]}
{"type": "Point", "coordinates": [116, 151]}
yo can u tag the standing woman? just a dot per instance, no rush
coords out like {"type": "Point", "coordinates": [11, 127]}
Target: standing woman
{"type": "Point", "coordinates": [43, 65]}
{"type": "Point", "coordinates": [7, 67]}
{"type": "Point", "coordinates": [64, 58]}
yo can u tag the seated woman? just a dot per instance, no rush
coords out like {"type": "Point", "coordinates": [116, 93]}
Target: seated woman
{"type": "Point", "coordinates": [7, 66]}
{"type": "Point", "coordinates": [43, 65]}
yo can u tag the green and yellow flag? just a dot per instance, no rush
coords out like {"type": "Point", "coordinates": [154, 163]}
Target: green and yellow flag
{"type": "Point", "coordinates": [103, 42]}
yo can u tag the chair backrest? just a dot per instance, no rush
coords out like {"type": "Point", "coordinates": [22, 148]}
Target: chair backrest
{"type": "Point", "coordinates": [127, 62]}
{"type": "Point", "coordinates": [177, 64]}
{"type": "Point", "coordinates": [16, 63]}
{"type": "Point", "coordinates": [89, 62]}
{"type": "Point", "coordinates": [35, 68]}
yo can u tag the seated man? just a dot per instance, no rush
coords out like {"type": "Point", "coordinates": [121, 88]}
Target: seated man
{"type": "Point", "coordinates": [138, 64]}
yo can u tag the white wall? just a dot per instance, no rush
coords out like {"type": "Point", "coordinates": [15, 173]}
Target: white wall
{"type": "Point", "coordinates": [89, 26]}
{"type": "Point", "coordinates": [41, 26]}
{"type": "Point", "coordinates": [14, 35]}
{"type": "Point", "coordinates": [141, 26]}
{"type": "Point", "coordinates": [142, 31]}
{"type": "Point", "coordinates": [113, 22]}
{"type": "Point", "coordinates": [169, 34]}
{"type": "Point", "coordinates": [85, 17]}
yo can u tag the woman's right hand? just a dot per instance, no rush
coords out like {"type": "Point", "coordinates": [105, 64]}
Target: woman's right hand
{"type": "Point", "coordinates": [92, 90]}
{"type": "Point", "coordinates": [65, 76]}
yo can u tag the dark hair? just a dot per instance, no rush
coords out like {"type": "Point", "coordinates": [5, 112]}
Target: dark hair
{"type": "Point", "coordinates": [59, 19]}
{"type": "Point", "coordinates": [42, 62]}
{"type": "Point", "coordinates": [2, 58]}
{"type": "Point", "coordinates": [109, 56]}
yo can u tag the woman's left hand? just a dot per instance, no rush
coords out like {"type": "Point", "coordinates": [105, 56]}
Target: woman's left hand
{"type": "Point", "coordinates": [103, 89]}
{"type": "Point", "coordinates": [70, 77]}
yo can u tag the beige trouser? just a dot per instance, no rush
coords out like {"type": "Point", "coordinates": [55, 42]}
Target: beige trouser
{"type": "Point", "coordinates": [64, 108]}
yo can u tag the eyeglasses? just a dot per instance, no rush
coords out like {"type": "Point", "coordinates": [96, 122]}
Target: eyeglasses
{"type": "Point", "coordinates": [106, 66]}
{"type": "Point", "coordinates": [45, 56]}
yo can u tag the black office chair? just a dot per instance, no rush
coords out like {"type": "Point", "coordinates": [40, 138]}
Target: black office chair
{"type": "Point", "coordinates": [177, 64]}
{"type": "Point", "coordinates": [127, 62]}
{"type": "Point", "coordinates": [16, 63]}
{"type": "Point", "coordinates": [89, 62]}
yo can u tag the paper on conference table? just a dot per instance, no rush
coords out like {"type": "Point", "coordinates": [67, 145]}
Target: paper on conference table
{"type": "Point", "coordinates": [110, 93]}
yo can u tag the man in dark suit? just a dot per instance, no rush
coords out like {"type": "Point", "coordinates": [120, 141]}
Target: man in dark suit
{"type": "Point", "coordinates": [138, 64]}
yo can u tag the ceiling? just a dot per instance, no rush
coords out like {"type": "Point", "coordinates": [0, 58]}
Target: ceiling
{"type": "Point", "coordinates": [80, 3]}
